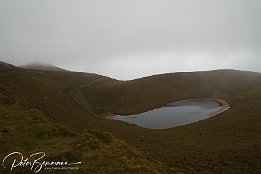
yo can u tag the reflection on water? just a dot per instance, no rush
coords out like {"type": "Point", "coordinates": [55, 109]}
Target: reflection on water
{"type": "Point", "coordinates": [174, 114]}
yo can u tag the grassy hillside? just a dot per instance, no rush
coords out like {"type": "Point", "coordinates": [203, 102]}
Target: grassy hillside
{"type": "Point", "coordinates": [29, 131]}
{"type": "Point", "coordinates": [139, 95]}
{"type": "Point", "coordinates": [227, 143]}
{"type": "Point", "coordinates": [37, 113]}
{"type": "Point", "coordinates": [49, 103]}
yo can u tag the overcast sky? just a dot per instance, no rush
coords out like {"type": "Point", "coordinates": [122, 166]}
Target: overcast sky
{"type": "Point", "coordinates": [127, 39]}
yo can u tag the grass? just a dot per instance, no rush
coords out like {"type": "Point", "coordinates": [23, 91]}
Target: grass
{"type": "Point", "coordinates": [80, 98]}
{"type": "Point", "coordinates": [31, 123]}
{"type": "Point", "coordinates": [227, 143]}
{"type": "Point", "coordinates": [214, 145]}
{"type": "Point", "coordinates": [100, 152]}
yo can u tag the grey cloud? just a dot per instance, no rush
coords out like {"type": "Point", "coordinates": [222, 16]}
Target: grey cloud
{"type": "Point", "coordinates": [131, 38]}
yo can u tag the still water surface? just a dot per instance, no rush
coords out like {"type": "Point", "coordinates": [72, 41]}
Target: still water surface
{"type": "Point", "coordinates": [174, 114]}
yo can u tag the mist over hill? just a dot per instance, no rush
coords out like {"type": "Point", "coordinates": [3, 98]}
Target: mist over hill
{"type": "Point", "coordinates": [42, 66]}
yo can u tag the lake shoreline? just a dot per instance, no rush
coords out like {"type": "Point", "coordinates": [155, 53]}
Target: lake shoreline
{"type": "Point", "coordinates": [193, 113]}
{"type": "Point", "coordinates": [224, 106]}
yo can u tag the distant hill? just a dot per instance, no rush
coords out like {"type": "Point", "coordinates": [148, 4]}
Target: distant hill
{"type": "Point", "coordinates": [143, 94]}
{"type": "Point", "coordinates": [6, 67]}
{"type": "Point", "coordinates": [42, 66]}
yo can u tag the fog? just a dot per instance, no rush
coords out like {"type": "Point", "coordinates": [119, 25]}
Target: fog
{"type": "Point", "coordinates": [129, 39]}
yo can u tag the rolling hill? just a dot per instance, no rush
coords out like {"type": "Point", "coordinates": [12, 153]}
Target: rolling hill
{"type": "Point", "coordinates": [227, 143]}
{"type": "Point", "coordinates": [62, 107]}
{"type": "Point", "coordinates": [139, 95]}
{"type": "Point", "coordinates": [36, 113]}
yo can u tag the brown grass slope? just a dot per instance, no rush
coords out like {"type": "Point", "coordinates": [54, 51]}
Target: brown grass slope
{"type": "Point", "coordinates": [227, 143]}
{"type": "Point", "coordinates": [139, 95]}
{"type": "Point", "coordinates": [37, 113]}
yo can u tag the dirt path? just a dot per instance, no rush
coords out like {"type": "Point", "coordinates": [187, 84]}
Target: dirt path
{"type": "Point", "coordinates": [81, 100]}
